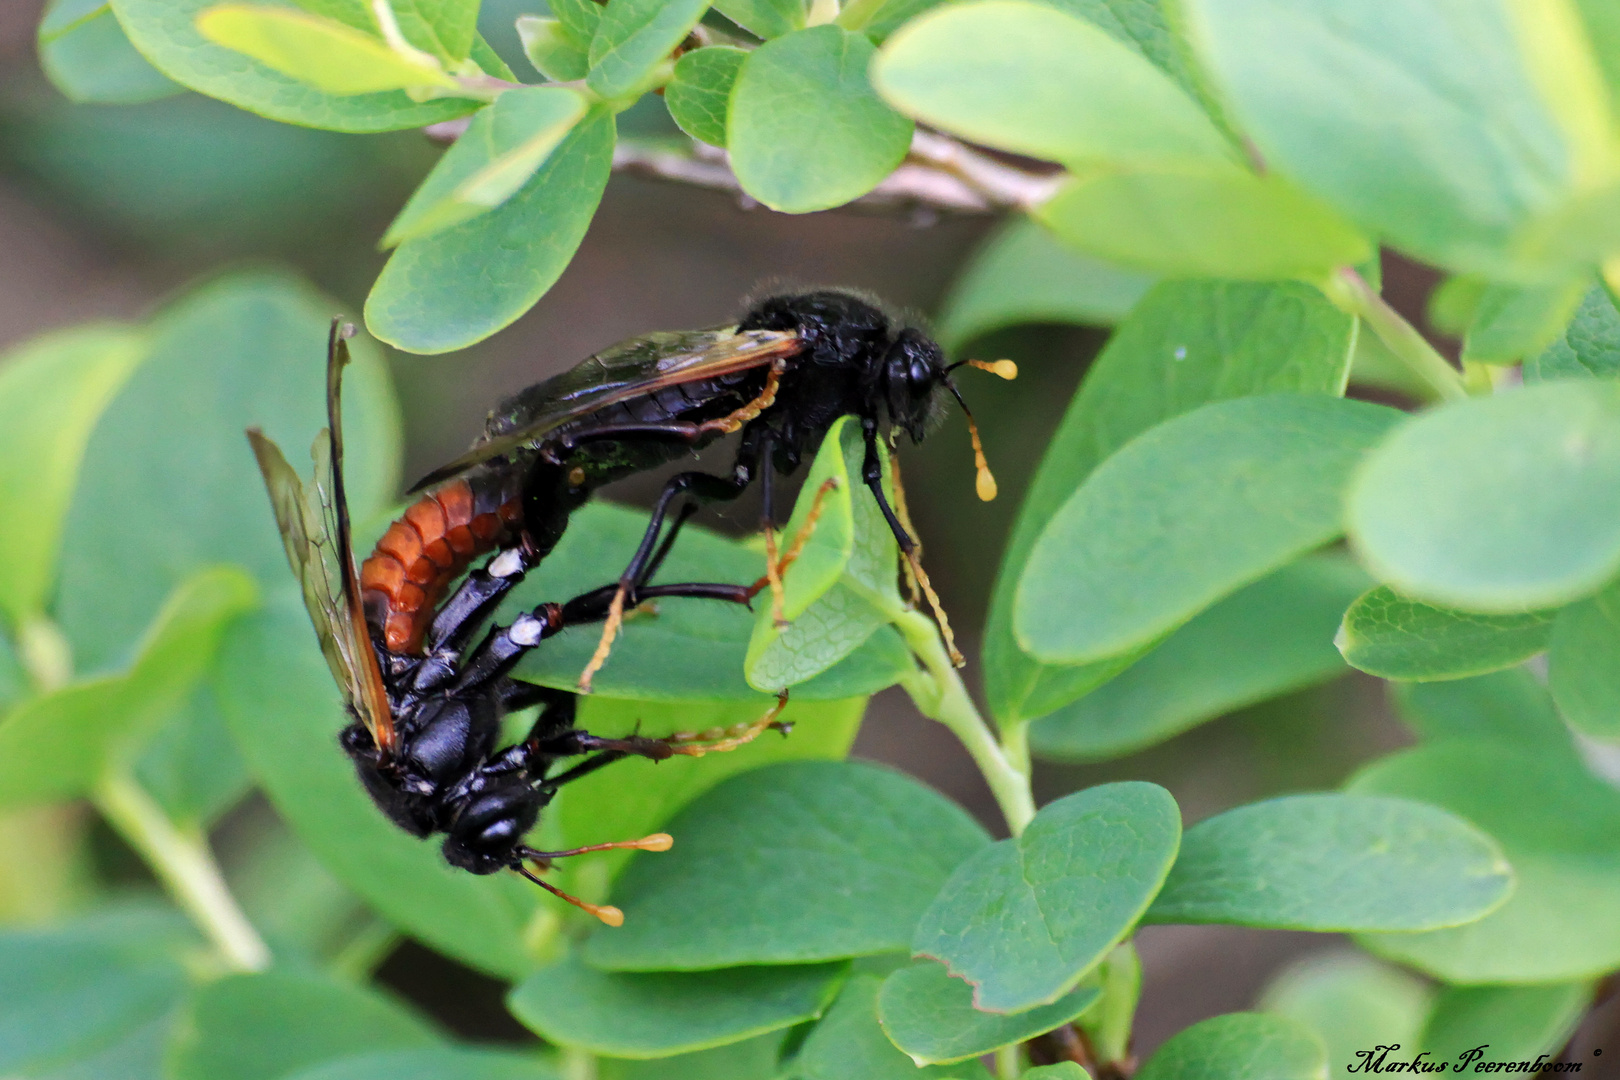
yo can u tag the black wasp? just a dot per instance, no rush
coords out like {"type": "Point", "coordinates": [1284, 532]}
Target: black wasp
{"type": "Point", "coordinates": [426, 709]}
{"type": "Point", "coordinates": [791, 366]}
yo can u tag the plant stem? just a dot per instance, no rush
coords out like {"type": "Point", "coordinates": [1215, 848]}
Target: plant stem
{"type": "Point", "coordinates": [943, 697]}
{"type": "Point", "coordinates": [1008, 1066]}
{"type": "Point", "coordinates": [182, 861]}
{"type": "Point", "coordinates": [1350, 291]}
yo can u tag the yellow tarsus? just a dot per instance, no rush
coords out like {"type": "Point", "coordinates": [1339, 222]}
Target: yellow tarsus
{"type": "Point", "coordinates": [610, 630]}
{"type": "Point", "coordinates": [700, 746]}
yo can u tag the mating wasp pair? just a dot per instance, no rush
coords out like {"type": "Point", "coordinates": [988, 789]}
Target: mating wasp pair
{"type": "Point", "coordinates": [426, 702]}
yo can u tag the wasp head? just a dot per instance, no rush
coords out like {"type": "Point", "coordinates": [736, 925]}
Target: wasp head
{"type": "Point", "coordinates": [914, 375]}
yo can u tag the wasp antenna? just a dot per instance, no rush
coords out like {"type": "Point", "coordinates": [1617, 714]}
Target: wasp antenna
{"type": "Point", "coordinates": [1004, 368]}
{"type": "Point", "coordinates": [658, 841]}
{"type": "Point", "coordinates": [985, 482]}
{"type": "Point", "coordinates": [609, 914]}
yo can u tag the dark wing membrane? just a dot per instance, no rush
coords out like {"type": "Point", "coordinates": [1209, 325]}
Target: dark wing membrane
{"type": "Point", "coordinates": [314, 530]}
{"type": "Point", "coordinates": [633, 368]}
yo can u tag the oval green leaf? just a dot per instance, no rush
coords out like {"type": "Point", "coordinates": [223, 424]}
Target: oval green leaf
{"type": "Point", "coordinates": [1334, 862]}
{"type": "Point", "coordinates": [552, 50]}
{"type": "Point", "coordinates": [931, 1016]}
{"type": "Point", "coordinates": [1393, 637]}
{"type": "Point", "coordinates": [1560, 828]}
{"type": "Point", "coordinates": [265, 1026]}
{"type": "Point", "coordinates": [632, 37]}
{"type": "Point", "coordinates": [1583, 665]}
{"type": "Point", "coordinates": [457, 287]}
{"type": "Point", "coordinates": [1035, 80]}
{"type": "Point", "coordinates": [1511, 707]}
{"type": "Point", "coordinates": [1240, 1046]}
{"type": "Point", "coordinates": [436, 1063]}
{"type": "Point", "coordinates": [497, 154]}
{"type": "Point", "coordinates": [1185, 514]}
{"type": "Point", "coordinates": [1315, 85]}
{"type": "Point", "coordinates": [87, 56]}
{"type": "Point", "coordinates": [52, 392]}
{"type": "Point", "coordinates": [1588, 347]}
{"type": "Point", "coordinates": [1163, 221]}
{"type": "Point", "coordinates": [699, 93]}
{"type": "Point", "coordinates": [849, 1043]}
{"type": "Point", "coordinates": [806, 130]}
{"type": "Point", "coordinates": [1351, 1002]}
{"type": "Point", "coordinates": [1515, 1022]}
{"type": "Point", "coordinates": [663, 1013]}
{"type": "Point", "coordinates": [765, 18]}
{"type": "Point", "coordinates": [1023, 275]}
{"type": "Point", "coordinates": [1184, 344]}
{"type": "Point", "coordinates": [1514, 321]}
{"type": "Point", "coordinates": [1265, 640]}
{"type": "Point", "coordinates": [1024, 919]}
{"type": "Point", "coordinates": [331, 56]}
{"type": "Point", "coordinates": [165, 32]}
{"type": "Point", "coordinates": [1501, 504]}
{"type": "Point", "coordinates": [810, 861]}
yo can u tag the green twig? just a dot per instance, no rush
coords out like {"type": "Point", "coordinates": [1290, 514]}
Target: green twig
{"type": "Point", "coordinates": [942, 696]}
{"type": "Point", "coordinates": [1008, 1064]}
{"type": "Point", "coordinates": [1350, 291]}
{"type": "Point", "coordinates": [182, 861]}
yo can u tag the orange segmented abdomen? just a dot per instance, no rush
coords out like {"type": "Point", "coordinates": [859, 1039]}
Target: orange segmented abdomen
{"type": "Point", "coordinates": [411, 568]}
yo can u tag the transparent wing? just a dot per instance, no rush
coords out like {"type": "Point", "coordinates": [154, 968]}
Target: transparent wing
{"type": "Point", "coordinates": [314, 525]}
{"type": "Point", "coordinates": [629, 369]}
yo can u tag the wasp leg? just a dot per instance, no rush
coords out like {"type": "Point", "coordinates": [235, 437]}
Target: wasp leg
{"type": "Point", "coordinates": [609, 914]}
{"type": "Point", "coordinates": [720, 740]}
{"type": "Point", "coordinates": [504, 646]}
{"type": "Point", "coordinates": [476, 599]}
{"type": "Point", "coordinates": [872, 474]}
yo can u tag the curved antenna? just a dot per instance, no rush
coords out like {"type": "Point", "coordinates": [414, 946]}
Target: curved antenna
{"type": "Point", "coordinates": [985, 482]}
{"type": "Point", "coordinates": [1004, 368]}
{"type": "Point", "coordinates": [606, 912]}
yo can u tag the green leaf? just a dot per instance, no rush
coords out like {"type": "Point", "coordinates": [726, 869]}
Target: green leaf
{"type": "Point", "coordinates": [1334, 862]}
{"type": "Point", "coordinates": [752, 1059]}
{"type": "Point", "coordinates": [1314, 86]}
{"type": "Point", "coordinates": [692, 650]}
{"type": "Point", "coordinates": [1024, 919]}
{"type": "Point", "coordinates": [68, 991]}
{"type": "Point", "coordinates": [764, 18]}
{"type": "Point", "coordinates": [267, 1025]}
{"type": "Point", "coordinates": [277, 695]}
{"type": "Point", "coordinates": [1588, 346]}
{"type": "Point", "coordinates": [58, 745]}
{"type": "Point", "coordinates": [637, 796]}
{"type": "Point", "coordinates": [86, 55]}
{"type": "Point", "coordinates": [1034, 80]}
{"type": "Point", "coordinates": [1352, 1003]}
{"type": "Point", "coordinates": [579, 17]}
{"type": "Point", "coordinates": [552, 49]}
{"type": "Point", "coordinates": [1063, 1070]}
{"type": "Point", "coordinates": [699, 93]}
{"type": "Point", "coordinates": [1203, 221]}
{"type": "Point", "coordinates": [931, 1016]}
{"type": "Point", "coordinates": [446, 291]}
{"type": "Point", "coordinates": [1515, 321]}
{"type": "Point", "coordinates": [1500, 504]}
{"type": "Point", "coordinates": [1267, 639]}
{"type": "Point", "coordinates": [1239, 1046]}
{"type": "Point", "coordinates": [52, 391]}
{"type": "Point", "coordinates": [1509, 707]}
{"type": "Point", "coordinates": [843, 587]}
{"type": "Point", "coordinates": [501, 149]}
{"type": "Point", "coordinates": [663, 1013]}
{"type": "Point", "coordinates": [1023, 275]}
{"type": "Point", "coordinates": [1388, 635]}
{"type": "Point", "coordinates": [1186, 514]}
{"type": "Point", "coordinates": [1515, 1022]}
{"type": "Point", "coordinates": [806, 130]}
{"type": "Point", "coordinates": [633, 37]}
{"type": "Point", "coordinates": [432, 1064]}
{"type": "Point", "coordinates": [849, 1043]}
{"type": "Point", "coordinates": [190, 764]}
{"type": "Point", "coordinates": [1185, 343]}
{"type": "Point", "coordinates": [166, 33]}
{"type": "Point", "coordinates": [448, 29]}
{"type": "Point", "coordinates": [1583, 666]}
{"type": "Point", "coordinates": [1560, 827]}
{"type": "Point", "coordinates": [810, 861]}
{"type": "Point", "coordinates": [169, 453]}
{"type": "Point", "coordinates": [329, 55]}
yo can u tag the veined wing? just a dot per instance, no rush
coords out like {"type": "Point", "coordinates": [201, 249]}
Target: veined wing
{"type": "Point", "coordinates": [314, 523]}
{"type": "Point", "coordinates": [639, 366]}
